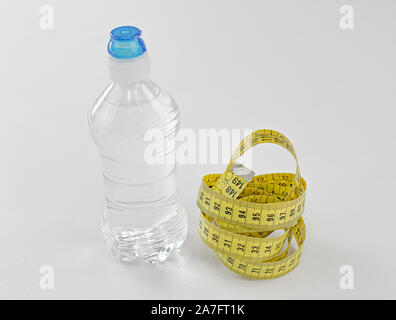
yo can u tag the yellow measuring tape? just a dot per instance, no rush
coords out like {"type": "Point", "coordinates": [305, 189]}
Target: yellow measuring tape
{"type": "Point", "coordinates": [240, 211]}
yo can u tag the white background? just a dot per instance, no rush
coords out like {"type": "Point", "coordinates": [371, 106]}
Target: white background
{"type": "Point", "coordinates": [283, 65]}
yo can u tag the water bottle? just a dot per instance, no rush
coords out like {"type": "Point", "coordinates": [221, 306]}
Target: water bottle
{"type": "Point", "coordinates": [142, 218]}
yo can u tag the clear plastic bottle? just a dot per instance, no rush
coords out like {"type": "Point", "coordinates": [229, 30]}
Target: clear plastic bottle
{"type": "Point", "coordinates": [142, 217]}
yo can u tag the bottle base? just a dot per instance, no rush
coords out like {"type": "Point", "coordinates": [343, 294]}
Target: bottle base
{"type": "Point", "coordinates": [151, 245]}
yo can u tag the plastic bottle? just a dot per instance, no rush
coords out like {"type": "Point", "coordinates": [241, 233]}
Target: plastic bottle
{"type": "Point", "coordinates": [142, 216]}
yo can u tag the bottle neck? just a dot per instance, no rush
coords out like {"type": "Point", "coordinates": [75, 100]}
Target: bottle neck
{"type": "Point", "coordinates": [129, 70]}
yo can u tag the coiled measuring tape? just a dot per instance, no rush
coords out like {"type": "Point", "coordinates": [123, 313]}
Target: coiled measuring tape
{"type": "Point", "coordinates": [240, 211]}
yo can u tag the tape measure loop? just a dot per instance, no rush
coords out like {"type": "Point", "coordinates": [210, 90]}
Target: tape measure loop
{"type": "Point", "coordinates": [239, 212]}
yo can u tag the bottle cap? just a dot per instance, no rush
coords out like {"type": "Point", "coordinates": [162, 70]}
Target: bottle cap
{"type": "Point", "coordinates": [125, 43]}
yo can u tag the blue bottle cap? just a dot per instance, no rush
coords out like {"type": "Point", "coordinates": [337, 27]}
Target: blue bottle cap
{"type": "Point", "coordinates": [125, 43]}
